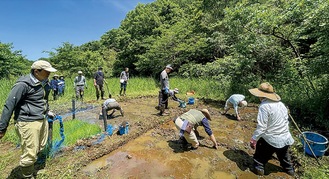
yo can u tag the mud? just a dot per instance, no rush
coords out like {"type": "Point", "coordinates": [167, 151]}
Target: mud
{"type": "Point", "coordinates": [152, 148]}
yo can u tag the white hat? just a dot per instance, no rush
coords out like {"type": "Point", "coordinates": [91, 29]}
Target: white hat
{"type": "Point", "coordinates": [79, 72]}
{"type": "Point", "coordinates": [43, 65]}
{"type": "Point", "coordinates": [169, 67]}
{"type": "Point", "coordinates": [243, 103]}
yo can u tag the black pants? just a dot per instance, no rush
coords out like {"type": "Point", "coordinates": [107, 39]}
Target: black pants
{"type": "Point", "coordinates": [264, 152]}
{"type": "Point", "coordinates": [164, 98]}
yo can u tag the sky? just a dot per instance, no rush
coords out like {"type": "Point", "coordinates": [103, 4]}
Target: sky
{"type": "Point", "coordinates": [38, 26]}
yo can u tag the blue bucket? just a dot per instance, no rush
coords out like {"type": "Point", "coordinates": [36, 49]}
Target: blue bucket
{"type": "Point", "coordinates": [124, 129]}
{"type": "Point", "coordinates": [190, 100]}
{"type": "Point", "coordinates": [318, 143]}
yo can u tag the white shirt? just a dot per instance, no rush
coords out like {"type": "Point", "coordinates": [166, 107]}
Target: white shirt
{"type": "Point", "coordinates": [234, 100]}
{"type": "Point", "coordinates": [273, 124]}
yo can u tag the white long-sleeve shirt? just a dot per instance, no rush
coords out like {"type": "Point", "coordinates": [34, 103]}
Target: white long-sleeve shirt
{"type": "Point", "coordinates": [234, 100]}
{"type": "Point", "coordinates": [273, 124]}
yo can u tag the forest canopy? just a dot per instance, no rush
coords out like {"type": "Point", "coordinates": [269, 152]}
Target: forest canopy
{"type": "Point", "coordinates": [240, 43]}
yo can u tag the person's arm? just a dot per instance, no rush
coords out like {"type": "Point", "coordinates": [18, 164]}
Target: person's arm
{"type": "Point", "coordinates": [226, 108]}
{"type": "Point", "coordinates": [262, 119]}
{"type": "Point", "coordinates": [208, 130]}
{"type": "Point", "coordinates": [15, 96]}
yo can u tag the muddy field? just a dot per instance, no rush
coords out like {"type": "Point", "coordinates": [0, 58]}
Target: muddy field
{"type": "Point", "coordinates": [151, 148]}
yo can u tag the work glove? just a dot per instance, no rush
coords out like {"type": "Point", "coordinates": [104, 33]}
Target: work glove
{"type": "Point", "coordinates": [253, 143]}
{"type": "Point", "coordinates": [50, 114]}
{"type": "Point", "coordinates": [166, 91]}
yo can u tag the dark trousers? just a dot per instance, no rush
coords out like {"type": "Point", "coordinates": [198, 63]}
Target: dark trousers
{"type": "Point", "coordinates": [264, 152]}
{"type": "Point", "coordinates": [164, 98]}
{"type": "Point", "coordinates": [100, 89]}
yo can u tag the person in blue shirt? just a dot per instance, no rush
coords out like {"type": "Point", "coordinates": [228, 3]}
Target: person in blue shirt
{"type": "Point", "coordinates": [235, 101]}
{"type": "Point", "coordinates": [54, 86]}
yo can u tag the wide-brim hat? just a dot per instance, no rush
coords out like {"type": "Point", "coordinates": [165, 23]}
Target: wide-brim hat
{"type": "Point", "coordinates": [265, 90]}
{"type": "Point", "coordinates": [206, 113]}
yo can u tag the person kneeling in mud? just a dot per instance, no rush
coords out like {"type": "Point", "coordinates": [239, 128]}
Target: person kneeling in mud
{"type": "Point", "coordinates": [187, 124]}
{"type": "Point", "coordinates": [110, 104]}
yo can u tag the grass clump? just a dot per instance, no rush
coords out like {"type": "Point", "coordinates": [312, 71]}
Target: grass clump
{"type": "Point", "coordinates": [75, 130]}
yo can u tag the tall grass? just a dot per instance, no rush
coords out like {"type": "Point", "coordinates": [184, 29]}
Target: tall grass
{"type": "Point", "coordinates": [75, 129]}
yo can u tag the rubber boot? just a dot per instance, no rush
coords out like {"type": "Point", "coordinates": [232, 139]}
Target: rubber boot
{"type": "Point", "coordinates": [27, 172]}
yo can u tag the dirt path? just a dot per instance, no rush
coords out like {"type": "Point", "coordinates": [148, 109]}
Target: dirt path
{"type": "Point", "coordinates": [151, 149]}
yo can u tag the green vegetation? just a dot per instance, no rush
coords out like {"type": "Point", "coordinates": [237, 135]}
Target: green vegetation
{"type": "Point", "coordinates": [75, 130]}
{"type": "Point", "coordinates": [217, 48]}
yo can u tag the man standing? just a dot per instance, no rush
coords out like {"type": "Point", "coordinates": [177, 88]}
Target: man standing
{"type": "Point", "coordinates": [28, 100]}
{"type": "Point", "coordinates": [164, 94]}
{"type": "Point", "coordinates": [187, 124]}
{"type": "Point", "coordinates": [235, 101]}
{"type": "Point", "coordinates": [99, 79]}
{"type": "Point", "coordinates": [272, 133]}
{"type": "Point", "coordinates": [54, 85]}
{"type": "Point", "coordinates": [79, 85]}
{"type": "Point", "coordinates": [124, 77]}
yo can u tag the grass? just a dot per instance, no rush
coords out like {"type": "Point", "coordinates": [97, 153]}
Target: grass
{"type": "Point", "coordinates": [75, 130]}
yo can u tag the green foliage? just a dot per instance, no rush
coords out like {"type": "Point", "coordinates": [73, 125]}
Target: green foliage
{"type": "Point", "coordinates": [12, 63]}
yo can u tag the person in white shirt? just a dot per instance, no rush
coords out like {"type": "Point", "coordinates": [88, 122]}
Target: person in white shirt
{"type": "Point", "coordinates": [272, 133]}
{"type": "Point", "coordinates": [235, 101]}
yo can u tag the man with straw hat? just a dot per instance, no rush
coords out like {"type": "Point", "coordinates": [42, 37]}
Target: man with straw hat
{"type": "Point", "coordinates": [235, 101]}
{"type": "Point", "coordinates": [272, 133]}
{"type": "Point", "coordinates": [187, 124]}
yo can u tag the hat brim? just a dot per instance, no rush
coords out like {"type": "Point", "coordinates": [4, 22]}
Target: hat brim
{"type": "Point", "coordinates": [50, 69]}
{"type": "Point", "coordinates": [205, 112]}
{"type": "Point", "coordinates": [259, 93]}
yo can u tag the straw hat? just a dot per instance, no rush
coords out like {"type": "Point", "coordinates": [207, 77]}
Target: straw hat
{"type": "Point", "coordinates": [206, 113]}
{"type": "Point", "coordinates": [265, 90]}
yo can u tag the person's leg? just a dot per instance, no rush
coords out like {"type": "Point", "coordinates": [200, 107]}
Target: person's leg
{"type": "Point", "coordinates": [121, 88]}
{"type": "Point", "coordinates": [263, 153]}
{"type": "Point", "coordinates": [102, 91]}
{"type": "Point", "coordinates": [285, 160]}
{"type": "Point", "coordinates": [124, 88]}
{"type": "Point", "coordinates": [81, 92]}
{"type": "Point", "coordinates": [31, 141]}
{"type": "Point", "coordinates": [77, 92]}
{"type": "Point", "coordinates": [97, 91]}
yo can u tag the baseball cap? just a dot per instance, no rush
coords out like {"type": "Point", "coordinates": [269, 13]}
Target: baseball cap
{"type": "Point", "coordinates": [43, 65]}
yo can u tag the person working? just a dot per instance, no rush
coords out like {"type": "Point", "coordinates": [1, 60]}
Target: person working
{"type": "Point", "coordinates": [188, 122]}
{"type": "Point", "coordinates": [28, 100]}
{"type": "Point", "coordinates": [79, 84]}
{"type": "Point", "coordinates": [272, 133]}
{"type": "Point", "coordinates": [235, 101]}
{"type": "Point", "coordinates": [99, 80]}
{"type": "Point", "coordinates": [110, 104]}
{"type": "Point", "coordinates": [163, 98]}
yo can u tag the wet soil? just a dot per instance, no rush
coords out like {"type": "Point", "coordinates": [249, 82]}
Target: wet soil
{"type": "Point", "coordinates": [152, 149]}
